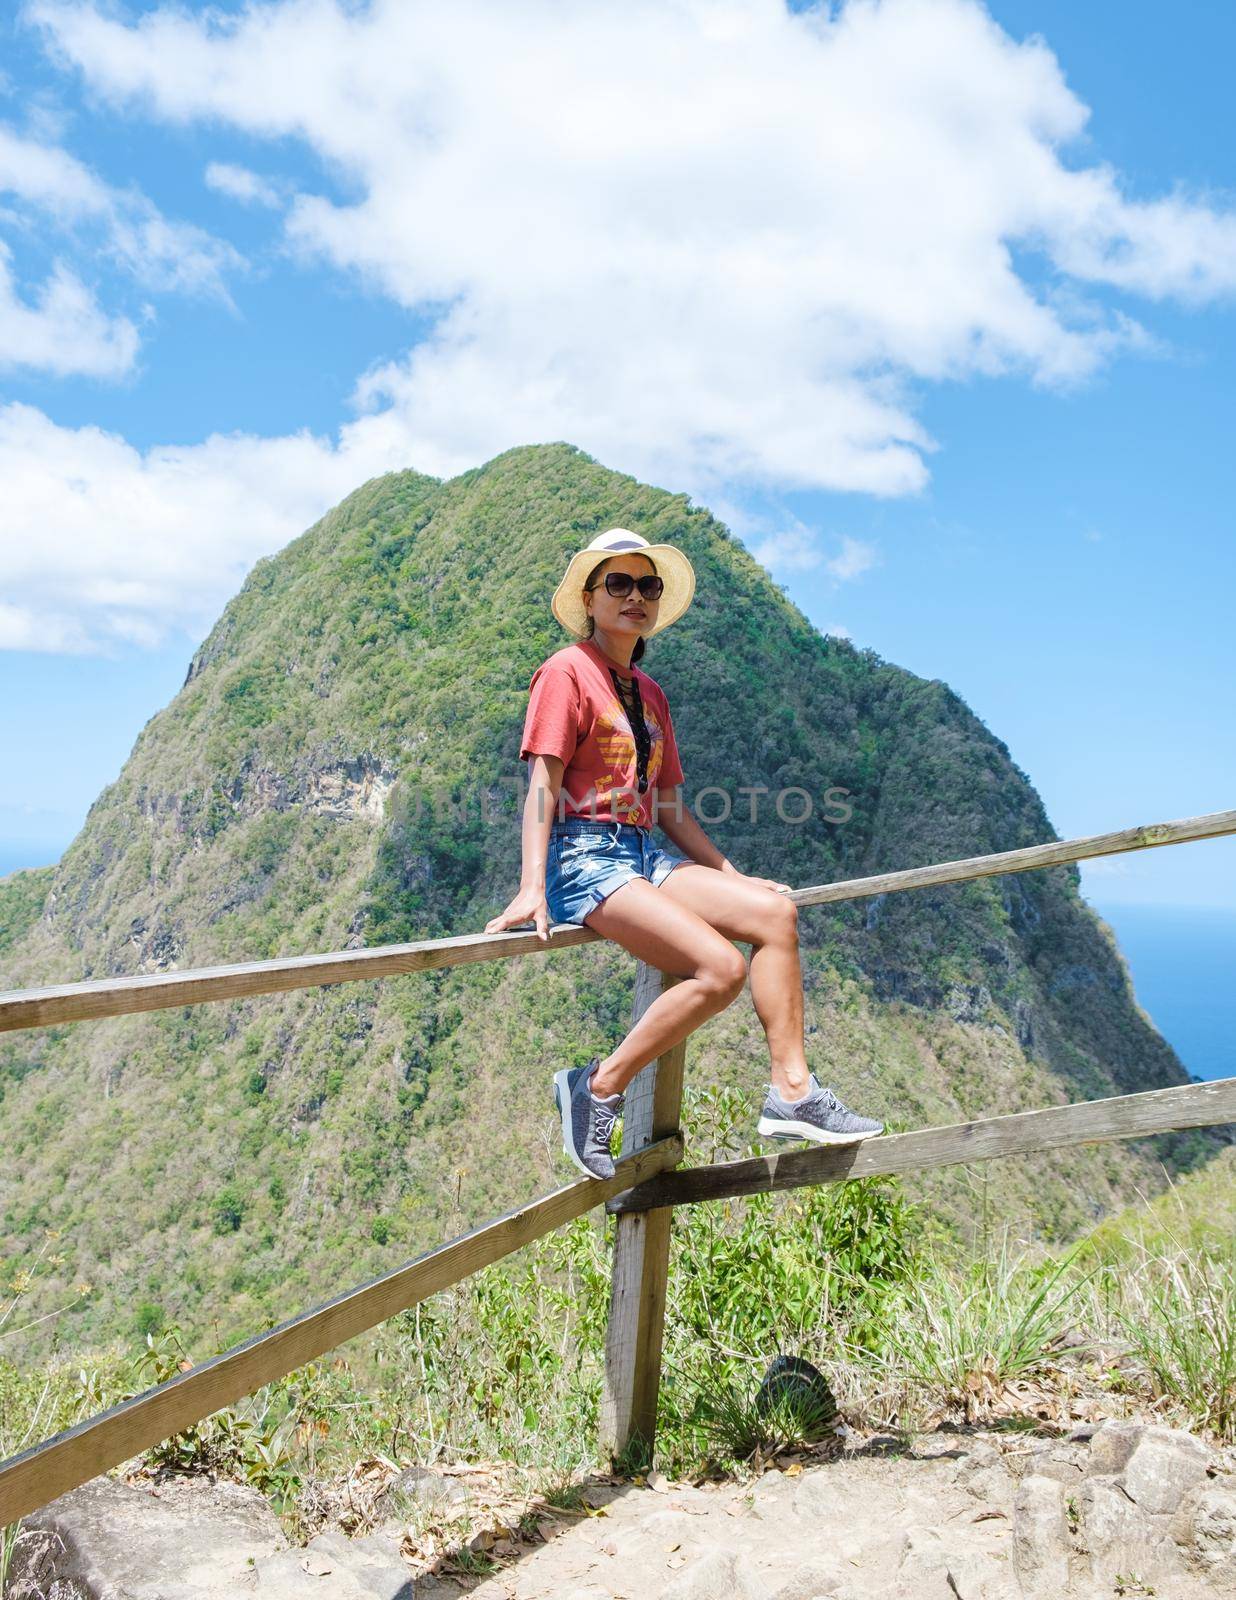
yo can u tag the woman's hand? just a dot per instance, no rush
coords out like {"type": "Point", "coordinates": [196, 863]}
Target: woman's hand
{"type": "Point", "coordinates": [767, 883]}
{"type": "Point", "coordinates": [529, 905]}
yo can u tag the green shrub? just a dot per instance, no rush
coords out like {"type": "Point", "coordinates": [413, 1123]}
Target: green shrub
{"type": "Point", "coordinates": [149, 1318]}
{"type": "Point", "coordinates": [228, 1209]}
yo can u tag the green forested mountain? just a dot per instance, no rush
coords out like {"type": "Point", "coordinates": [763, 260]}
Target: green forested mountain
{"type": "Point", "coordinates": [341, 767]}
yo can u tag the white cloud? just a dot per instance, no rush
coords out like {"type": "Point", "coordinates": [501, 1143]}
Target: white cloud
{"type": "Point", "coordinates": [239, 183]}
{"type": "Point", "coordinates": [855, 558]}
{"type": "Point", "coordinates": [792, 549]}
{"type": "Point", "coordinates": [64, 331]}
{"type": "Point", "coordinates": [160, 253]}
{"type": "Point", "coordinates": [133, 543]}
{"type": "Point", "coordinates": [1107, 867]}
{"type": "Point", "coordinates": [795, 548]}
{"type": "Point", "coordinates": [713, 242]}
{"type": "Point", "coordinates": [837, 631]}
{"type": "Point", "coordinates": [704, 239]}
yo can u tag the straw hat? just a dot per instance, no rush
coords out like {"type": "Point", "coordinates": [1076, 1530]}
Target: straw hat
{"type": "Point", "coordinates": [678, 573]}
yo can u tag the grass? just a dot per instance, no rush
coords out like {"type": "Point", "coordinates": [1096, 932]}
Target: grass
{"type": "Point", "coordinates": [965, 1333]}
{"type": "Point", "coordinates": [1179, 1315]}
{"type": "Point", "coordinates": [741, 1422]}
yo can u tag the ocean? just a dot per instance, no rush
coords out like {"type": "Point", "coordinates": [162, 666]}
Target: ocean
{"type": "Point", "coordinates": [1183, 960]}
{"type": "Point", "coordinates": [16, 856]}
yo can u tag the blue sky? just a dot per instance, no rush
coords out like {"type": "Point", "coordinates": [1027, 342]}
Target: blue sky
{"type": "Point", "coordinates": [972, 412]}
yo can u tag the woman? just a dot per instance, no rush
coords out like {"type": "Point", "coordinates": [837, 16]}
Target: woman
{"type": "Point", "coordinates": [603, 768]}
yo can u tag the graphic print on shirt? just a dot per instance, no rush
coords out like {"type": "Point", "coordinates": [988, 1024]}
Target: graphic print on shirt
{"type": "Point", "coordinates": [616, 741]}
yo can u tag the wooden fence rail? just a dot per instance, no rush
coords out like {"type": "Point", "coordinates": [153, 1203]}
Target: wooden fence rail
{"type": "Point", "coordinates": [157, 991]}
{"type": "Point", "coordinates": [642, 1193]}
{"type": "Point", "coordinates": [1127, 1116]}
{"type": "Point", "coordinates": [80, 1453]}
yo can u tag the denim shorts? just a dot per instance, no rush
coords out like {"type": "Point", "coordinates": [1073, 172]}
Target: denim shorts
{"type": "Point", "coordinates": [590, 859]}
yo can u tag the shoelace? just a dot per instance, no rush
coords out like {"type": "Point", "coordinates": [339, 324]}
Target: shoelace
{"type": "Point", "coordinates": [603, 1120]}
{"type": "Point", "coordinates": [826, 1100]}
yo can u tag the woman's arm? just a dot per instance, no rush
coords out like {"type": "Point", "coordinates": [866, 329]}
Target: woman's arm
{"type": "Point", "coordinates": [672, 815]}
{"type": "Point", "coordinates": [544, 783]}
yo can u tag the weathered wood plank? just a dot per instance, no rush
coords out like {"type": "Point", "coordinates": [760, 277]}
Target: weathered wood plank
{"type": "Point", "coordinates": [1129, 1116]}
{"type": "Point", "coordinates": [1147, 837]}
{"type": "Point", "coordinates": [80, 1453]}
{"type": "Point", "coordinates": [641, 1251]}
{"type": "Point", "coordinates": [158, 991]}
{"type": "Point", "coordinates": [115, 997]}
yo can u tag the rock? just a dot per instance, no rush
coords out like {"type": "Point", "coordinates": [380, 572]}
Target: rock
{"type": "Point", "coordinates": [820, 1576]}
{"type": "Point", "coordinates": [1040, 1536]}
{"type": "Point", "coordinates": [982, 1473]}
{"type": "Point", "coordinates": [658, 1482]}
{"type": "Point", "coordinates": [928, 1569]}
{"type": "Point", "coordinates": [664, 1527]}
{"type": "Point", "coordinates": [1063, 1461]}
{"type": "Point", "coordinates": [109, 1540]}
{"type": "Point", "coordinates": [720, 1575]}
{"type": "Point", "coordinates": [937, 1585]}
{"type": "Point", "coordinates": [1164, 1464]}
{"type": "Point", "coordinates": [942, 1447]}
{"type": "Point", "coordinates": [920, 1555]}
{"type": "Point", "coordinates": [1211, 1530]}
{"type": "Point", "coordinates": [418, 1489]}
{"type": "Point", "coordinates": [1119, 1538]}
{"type": "Point", "coordinates": [1111, 1447]}
{"type": "Point", "coordinates": [968, 1002]}
{"type": "Point", "coordinates": [814, 1496]}
{"type": "Point", "coordinates": [337, 1568]}
{"type": "Point", "coordinates": [356, 788]}
{"type": "Point", "coordinates": [772, 1495]}
{"type": "Point", "coordinates": [663, 1532]}
{"type": "Point", "coordinates": [1106, 1515]}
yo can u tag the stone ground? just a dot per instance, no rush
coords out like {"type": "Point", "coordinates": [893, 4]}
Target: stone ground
{"type": "Point", "coordinates": [1124, 1509]}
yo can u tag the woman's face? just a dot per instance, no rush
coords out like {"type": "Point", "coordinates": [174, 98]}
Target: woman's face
{"type": "Point", "coordinates": [629, 614]}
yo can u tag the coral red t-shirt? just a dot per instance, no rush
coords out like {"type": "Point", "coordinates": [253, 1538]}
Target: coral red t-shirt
{"type": "Point", "coordinates": [574, 713]}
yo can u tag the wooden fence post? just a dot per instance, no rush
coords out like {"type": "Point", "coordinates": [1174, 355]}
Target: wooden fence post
{"type": "Point", "coordinates": [641, 1252]}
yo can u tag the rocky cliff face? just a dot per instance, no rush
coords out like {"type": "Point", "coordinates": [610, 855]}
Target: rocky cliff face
{"type": "Point", "coordinates": [341, 766]}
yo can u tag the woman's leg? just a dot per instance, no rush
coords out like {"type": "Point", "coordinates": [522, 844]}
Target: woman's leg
{"type": "Point", "coordinates": [673, 938]}
{"type": "Point", "coordinates": [768, 921]}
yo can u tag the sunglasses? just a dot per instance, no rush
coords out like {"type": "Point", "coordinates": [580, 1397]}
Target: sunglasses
{"type": "Point", "coordinates": [620, 584]}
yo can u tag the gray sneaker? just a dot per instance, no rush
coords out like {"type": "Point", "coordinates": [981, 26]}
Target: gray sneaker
{"type": "Point", "coordinates": [819, 1116]}
{"type": "Point", "coordinates": [587, 1123]}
